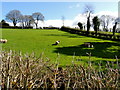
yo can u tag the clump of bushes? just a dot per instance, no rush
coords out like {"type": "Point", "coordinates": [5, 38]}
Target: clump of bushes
{"type": "Point", "coordinates": [50, 27]}
{"type": "Point", "coordinates": [28, 72]}
{"type": "Point", "coordinates": [4, 24]}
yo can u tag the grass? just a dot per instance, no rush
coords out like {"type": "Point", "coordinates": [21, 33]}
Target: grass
{"type": "Point", "coordinates": [69, 50]}
{"type": "Point", "coordinates": [108, 32]}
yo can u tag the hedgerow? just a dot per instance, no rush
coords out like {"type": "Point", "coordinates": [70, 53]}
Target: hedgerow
{"type": "Point", "coordinates": [27, 71]}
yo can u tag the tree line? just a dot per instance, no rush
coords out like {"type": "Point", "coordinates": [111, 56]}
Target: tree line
{"type": "Point", "coordinates": [29, 20]}
{"type": "Point", "coordinates": [104, 21]}
{"type": "Point", "coordinates": [26, 20]}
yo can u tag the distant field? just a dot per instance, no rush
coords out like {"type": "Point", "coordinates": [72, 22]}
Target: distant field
{"type": "Point", "coordinates": [69, 50]}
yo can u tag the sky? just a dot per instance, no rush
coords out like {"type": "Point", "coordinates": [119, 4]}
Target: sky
{"type": "Point", "coordinates": [53, 11]}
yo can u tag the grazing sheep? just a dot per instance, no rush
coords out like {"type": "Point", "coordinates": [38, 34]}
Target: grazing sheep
{"type": "Point", "coordinates": [56, 43]}
{"type": "Point", "coordinates": [3, 40]}
{"type": "Point", "coordinates": [89, 45]}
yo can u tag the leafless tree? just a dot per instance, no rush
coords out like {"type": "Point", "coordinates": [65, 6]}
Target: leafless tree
{"type": "Point", "coordinates": [26, 20]}
{"type": "Point", "coordinates": [63, 20]}
{"type": "Point", "coordinates": [88, 10]}
{"type": "Point", "coordinates": [37, 16]}
{"type": "Point", "coordinates": [117, 20]}
{"type": "Point", "coordinates": [106, 20]}
{"type": "Point", "coordinates": [22, 20]}
{"type": "Point", "coordinates": [14, 16]}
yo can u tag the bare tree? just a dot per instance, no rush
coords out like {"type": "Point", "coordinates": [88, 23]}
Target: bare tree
{"type": "Point", "coordinates": [105, 21]}
{"type": "Point", "coordinates": [63, 20]}
{"type": "Point", "coordinates": [26, 20]}
{"type": "Point", "coordinates": [88, 10]}
{"type": "Point", "coordinates": [22, 20]}
{"type": "Point", "coordinates": [37, 16]}
{"type": "Point", "coordinates": [14, 16]}
{"type": "Point", "coordinates": [116, 26]}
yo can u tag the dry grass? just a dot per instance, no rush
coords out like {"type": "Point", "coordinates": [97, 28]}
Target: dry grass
{"type": "Point", "coordinates": [28, 72]}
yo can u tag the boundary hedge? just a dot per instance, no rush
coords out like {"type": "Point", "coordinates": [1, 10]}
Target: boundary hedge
{"type": "Point", "coordinates": [91, 33]}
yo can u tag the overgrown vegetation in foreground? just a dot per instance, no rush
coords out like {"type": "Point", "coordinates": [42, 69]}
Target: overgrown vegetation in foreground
{"type": "Point", "coordinates": [27, 71]}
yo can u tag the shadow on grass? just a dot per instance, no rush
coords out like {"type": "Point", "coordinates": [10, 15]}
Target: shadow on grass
{"type": "Point", "coordinates": [101, 50]}
{"type": "Point", "coordinates": [102, 62]}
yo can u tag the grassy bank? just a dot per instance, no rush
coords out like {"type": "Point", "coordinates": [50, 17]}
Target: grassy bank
{"type": "Point", "coordinates": [69, 50]}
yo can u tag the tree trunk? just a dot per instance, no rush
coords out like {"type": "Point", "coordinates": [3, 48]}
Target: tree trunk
{"type": "Point", "coordinates": [114, 29]}
{"type": "Point", "coordinates": [88, 25]}
{"type": "Point", "coordinates": [36, 24]}
{"type": "Point", "coordinates": [14, 22]}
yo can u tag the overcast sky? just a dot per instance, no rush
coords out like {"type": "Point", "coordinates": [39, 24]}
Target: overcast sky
{"type": "Point", "coordinates": [53, 11]}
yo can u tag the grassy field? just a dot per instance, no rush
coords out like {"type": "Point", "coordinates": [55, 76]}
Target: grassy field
{"type": "Point", "coordinates": [69, 50]}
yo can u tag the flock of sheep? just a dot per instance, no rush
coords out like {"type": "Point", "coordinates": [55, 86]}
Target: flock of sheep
{"type": "Point", "coordinates": [3, 40]}
{"type": "Point", "coordinates": [86, 44]}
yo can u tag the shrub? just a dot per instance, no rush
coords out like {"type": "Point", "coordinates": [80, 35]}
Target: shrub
{"type": "Point", "coordinates": [80, 25]}
{"type": "Point", "coordinates": [27, 71]}
{"type": "Point", "coordinates": [3, 24]}
{"type": "Point", "coordinates": [91, 33]}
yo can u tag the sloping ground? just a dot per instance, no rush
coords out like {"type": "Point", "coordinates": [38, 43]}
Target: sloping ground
{"type": "Point", "coordinates": [70, 50]}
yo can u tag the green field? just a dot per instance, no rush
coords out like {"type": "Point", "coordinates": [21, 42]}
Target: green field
{"type": "Point", "coordinates": [69, 50]}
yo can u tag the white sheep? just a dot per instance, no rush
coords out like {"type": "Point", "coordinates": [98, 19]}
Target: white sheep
{"type": "Point", "coordinates": [56, 43]}
{"type": "Point", "coordinates": [3, 40]}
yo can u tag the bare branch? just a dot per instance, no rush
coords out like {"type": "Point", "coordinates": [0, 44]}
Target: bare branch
{"type": "Point", "coordinates": [14, 16]}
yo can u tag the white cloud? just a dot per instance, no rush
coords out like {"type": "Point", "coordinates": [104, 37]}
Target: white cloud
{"type": "Point", "coordinates": [56, 23]}
{"type": "Point", "coordinates": [80, 18]}
{"type": "Point", "coordinates": [47, 23]}
{"type": "Point", "coordinates": [10, 23]}
{"type": "Point", "coordinates": [115, 14]}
